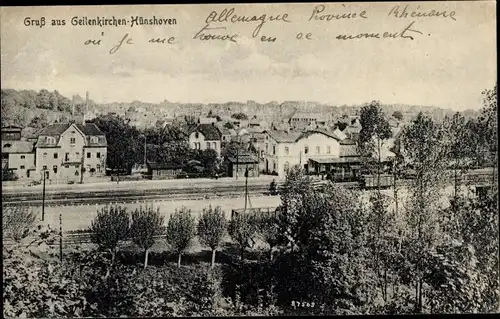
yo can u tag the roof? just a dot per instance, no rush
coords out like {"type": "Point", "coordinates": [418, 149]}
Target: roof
{"type": "Point", "coordinates": [306, 115]}
{"type": "Point", "coordinates": [347, 141]}
{"type": "Point", "coordinates": [294, 136]}
{"type": "Point", "coordinates": [154, 165]}
{"type": "Point", "coordinates": [11, 128]}
{"type": "Point", "coordinates": [284, 136]}
{"type": "Point", "coordinates": [348, 150]}
{"type": "Point", "coordinates": [17, 147]}
{"type": "Point", "coordinates": [333, 160]}
{"type": "Point", "coordinates": [55, 129]}
{"type": "Point", "coordinates": [210, 132]}
{"type": "Point", "coordinates": [243, 159]}
{"type": "Point", "coordinates": [89, 129]}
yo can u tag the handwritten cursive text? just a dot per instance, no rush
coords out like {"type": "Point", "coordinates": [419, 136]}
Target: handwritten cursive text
{"type": "Point", "coordinates": [229, 16]}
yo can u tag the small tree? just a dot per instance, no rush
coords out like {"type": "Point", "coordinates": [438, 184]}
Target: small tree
{"type": "Point", "coordinates": [268, 229]}
{"type": "Point", "coordinates": [17, 222]}
{"type": "Point", "coordinates": [211, 228]}
{"type": "Point", "coordinates": [242, 229]}
{"type": "Point", "coordinates": [109, 227]}
{"type": "Point", "coordinates": [397, 115]}
{"type": "Point", "coordinates": [180, 231]}
{"type": "Point", "coordinates": [146, 225]}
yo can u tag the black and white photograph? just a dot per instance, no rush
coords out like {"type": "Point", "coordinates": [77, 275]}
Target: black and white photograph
{"type": "Point", "coordinates": [229, 160]}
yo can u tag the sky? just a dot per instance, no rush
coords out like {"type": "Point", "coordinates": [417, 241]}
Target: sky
{"type": "Point", "coordinates": [448, 64]}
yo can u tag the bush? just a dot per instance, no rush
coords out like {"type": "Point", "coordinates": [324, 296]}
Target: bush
{"type": "Point", "coordinates": [17, 222]}
{"type": "Point", "coordinates": [180, 232]}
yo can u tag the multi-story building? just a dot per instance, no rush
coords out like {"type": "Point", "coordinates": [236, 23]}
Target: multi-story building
{"type": "Point", "coordinates": [206, 136]}
{"type": "Point", "coordinates": [65, 151]}
{"type": "Point", "coordinates": [18, 157]}
{"type": "Point", "coordinates": [304, 120]}
{"type": "Point", "coordinates": [11, 133]}
{"type": "Point", "coordinates": [285, 149]}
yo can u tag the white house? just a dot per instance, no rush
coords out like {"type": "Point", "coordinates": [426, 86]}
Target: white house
{"type": "Point", "coordinates": [285, 149]}
{"type": "Point", "coordinates": [206, 136]}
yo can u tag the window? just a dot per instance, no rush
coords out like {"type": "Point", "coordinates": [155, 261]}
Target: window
{"type": "Point", "coordinates": [317, 149]}
{"type": "Point", "coordinates": [287, 150]}
{"type": "Point", "coordinates": [44, 167]}
{"type": "Point", "coordinates": [72, 140]}
{"type": "Point", "coordinates": [21, 167]}
{"type": "Point", "coordinates": [93, 139]}
{"type": "Point", "coordinates": [54, 168]}
{"type": "Point", "coordinates": [23, 157]}
{"type": "Point", "coordinates": [267, 147]}
{"type": "Point", "coordinates": [98, 167]}
{"type": "Point", "coordinates": [208, 145]}
{"type": "Point", "coordinates": [274, 149]}
{"type": "Point", "coordinates": [287, 167]}
{"type": "Point", "coordinates": [44, 155]}
{"type": "Point", "coordinates": [55, 155]}
{"type": "Point", "coordinates": [328, 149]}
{"type": "Point", "coordinates": [88, 168]}
{"type": "Point", "coordinates": [306, 150]}
{"type": "Point", "coordinates": [77, 155]}
{"type": "Point", "coordinates": [76, 173]}
{"type": "Point", "coordinates": [196, 135]}
{"type": "Point", "coordinates": [66, 157]}
{"type": "Point", "coordinates": [89, 155]}
{"type": "Point", "coordinates": [214, 145]}
{"type": "Point", "coordinates": [98, 155]}
{"type": "Point", "coordinates": [67, 166]}
{"type": "Point", "coordinates": [274, 166]}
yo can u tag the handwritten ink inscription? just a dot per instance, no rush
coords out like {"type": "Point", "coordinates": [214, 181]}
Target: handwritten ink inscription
{"type": "Point", "coordinates": [223, 25]}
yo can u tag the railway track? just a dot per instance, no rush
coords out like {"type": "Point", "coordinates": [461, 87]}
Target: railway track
{"type": "Point", "coordinates": [130, 196]}
{"type": "Point", "coordinates": [195, 193]}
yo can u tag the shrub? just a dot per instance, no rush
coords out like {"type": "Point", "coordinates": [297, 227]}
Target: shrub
{"type": "Point", "coordinates": [212, 228]}
{"type": "Point", "coordinates": [17, 222]}
{"type": "Point", "coordinates": [180, 231]}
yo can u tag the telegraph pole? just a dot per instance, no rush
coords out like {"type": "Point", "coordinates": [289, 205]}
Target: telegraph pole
{"type": "Point", "coordinates": [43, 197]}
{"type": "Point", "coordinates": [246, 186]}
{"type": "Point", "coordinates": [60, 238]}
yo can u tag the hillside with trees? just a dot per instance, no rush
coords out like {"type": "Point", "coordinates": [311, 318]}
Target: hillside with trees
{"type": "Point", "coordinates": [34, 109]}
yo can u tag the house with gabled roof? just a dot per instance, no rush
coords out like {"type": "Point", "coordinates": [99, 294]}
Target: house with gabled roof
{"type": "Point", "coordinates": [206, 136]}
{"type": "Point", "coordinates": [18, 157]}
{"type": "Point", "coordinates": [66, 151]}
{"type": "Point", "coordinates": [285, 149]}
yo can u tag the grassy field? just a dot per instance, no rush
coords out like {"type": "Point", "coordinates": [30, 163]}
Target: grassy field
{"type": "Point", "coordinates": [79, 217]}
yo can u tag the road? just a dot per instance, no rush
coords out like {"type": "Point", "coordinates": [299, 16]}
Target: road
{"type": "Point", "coordinates": [142, 185]}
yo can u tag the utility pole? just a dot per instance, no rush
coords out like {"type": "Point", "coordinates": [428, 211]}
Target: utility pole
{"type": "Point", "coordinates": [43, 196]}
{"type": "Point", "coordinates": [246, 186]}
{"type": "Point", "coordinates": [60, 238]}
